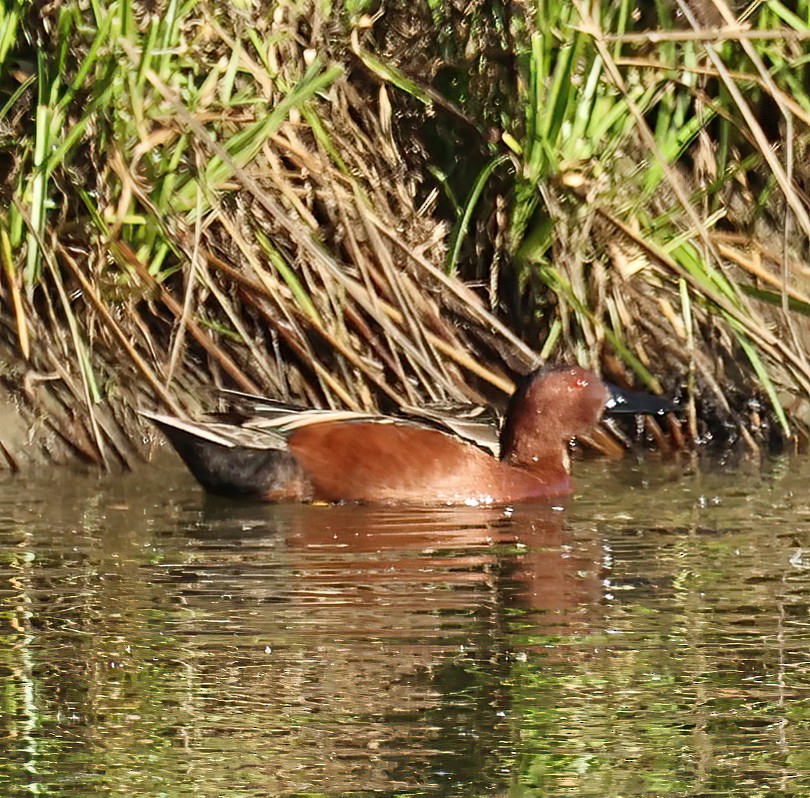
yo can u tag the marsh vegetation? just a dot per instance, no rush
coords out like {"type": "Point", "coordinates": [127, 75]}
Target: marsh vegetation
{"type": "Point", "coordinates": [356, 205]}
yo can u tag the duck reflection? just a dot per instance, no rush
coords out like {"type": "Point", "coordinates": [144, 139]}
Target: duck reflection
{"type": "Point", "coordinates": [327, 649]}
{"type": "Point", "coordinates": [523, 558]}
{"type": "Point", "coordinates": [380, 639]}
{"type": "Point", "coordinates": [520, 557]}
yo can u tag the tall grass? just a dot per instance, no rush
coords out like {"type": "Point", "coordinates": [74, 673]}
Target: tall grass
{"type": "Point", "coordinates": [655, 214]}
{"type": "Point", "coordinates": [239, 195]}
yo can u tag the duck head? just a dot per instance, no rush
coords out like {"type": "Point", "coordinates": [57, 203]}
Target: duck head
{"type": "Point", "coordinates": [556, 403]}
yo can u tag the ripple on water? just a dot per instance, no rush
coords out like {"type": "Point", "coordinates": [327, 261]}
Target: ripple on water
{"type": "Point", "coordinates": [649, 638]}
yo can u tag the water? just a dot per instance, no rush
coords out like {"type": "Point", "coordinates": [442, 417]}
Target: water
{"type": "Point", "coordinates": [649, 638]}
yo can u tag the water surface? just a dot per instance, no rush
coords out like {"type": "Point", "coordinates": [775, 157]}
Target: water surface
{"type": "Point", "coordinates": [648, 637]}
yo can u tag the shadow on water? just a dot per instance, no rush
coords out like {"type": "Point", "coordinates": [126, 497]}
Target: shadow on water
{"type": "Point", "coordinates": [650, 638]}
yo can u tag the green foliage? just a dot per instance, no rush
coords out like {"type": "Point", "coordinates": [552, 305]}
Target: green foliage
{"type": "Point", "coordinates": [209, 174]}
{"type": "Point", "coordinates": [192, 195]}
{"type": "Point", "coordinates": [639, 137]}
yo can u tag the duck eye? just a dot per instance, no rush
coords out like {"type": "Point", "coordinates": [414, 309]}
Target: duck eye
{"type": "Point", "coordinates": [579, 383]}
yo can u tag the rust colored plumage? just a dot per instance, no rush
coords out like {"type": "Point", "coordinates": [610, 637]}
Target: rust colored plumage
{"type": "Point", "coordinates": [372, 462]}
{"type": "Point", "coordinates": [284, 454]}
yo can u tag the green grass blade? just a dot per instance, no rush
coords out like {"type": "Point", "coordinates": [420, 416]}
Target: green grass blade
{"type": "Point", "coordinates": [289, 277]}
{"type": "Point", "coordinates": [246, 144]}
{"type": "Point", "coordinates": [763, 376]}
{"type": "Point", "coordinates": [565, 290]}
{"type": "Point", "coordinates": [460, 231]}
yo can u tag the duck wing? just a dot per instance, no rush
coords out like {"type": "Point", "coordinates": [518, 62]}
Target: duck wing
{"type": "Point", "coordinates": [473, 423]}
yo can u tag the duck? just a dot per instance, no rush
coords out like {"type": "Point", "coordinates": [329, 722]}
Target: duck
{"type": "Point", "coordinates": [271, 451]}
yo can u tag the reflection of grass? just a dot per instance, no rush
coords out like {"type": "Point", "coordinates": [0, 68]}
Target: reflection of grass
{"type": "Point", "coordinates": [683, 680]}
{"type": "Point", "coordinates": [197, 196]}
{"type": "Point", "coordinates": [587, 730]}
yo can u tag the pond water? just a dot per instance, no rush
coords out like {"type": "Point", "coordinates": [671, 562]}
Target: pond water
{"type": "Point", "coordinates": [648, 637]}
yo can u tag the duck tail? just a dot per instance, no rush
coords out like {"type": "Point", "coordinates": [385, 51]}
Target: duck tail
{"type": "Point", "coordinates": [230, 460]}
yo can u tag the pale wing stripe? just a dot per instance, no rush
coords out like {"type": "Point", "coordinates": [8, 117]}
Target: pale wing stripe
{"type": "Point", "coordinates": [197, 430]}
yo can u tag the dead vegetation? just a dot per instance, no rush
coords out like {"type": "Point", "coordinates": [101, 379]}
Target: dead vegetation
{"type": "Point", "coordinates": [207, 197]}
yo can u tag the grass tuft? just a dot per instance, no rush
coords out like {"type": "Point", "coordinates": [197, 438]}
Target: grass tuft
{"type": "Point", "coordinates": [417, 207]}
